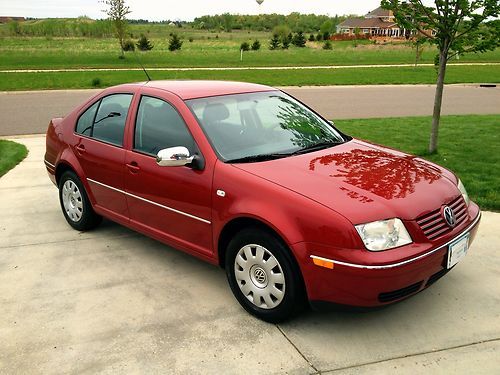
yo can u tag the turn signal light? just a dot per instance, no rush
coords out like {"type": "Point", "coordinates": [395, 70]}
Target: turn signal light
{"type": "Point", "coordinates": [323, 263]}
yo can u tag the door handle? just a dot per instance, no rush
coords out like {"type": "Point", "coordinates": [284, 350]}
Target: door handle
{"type": "Point", "coordinates": [133, 167]}
{"type": "Point", "coordinates": [80, 149]}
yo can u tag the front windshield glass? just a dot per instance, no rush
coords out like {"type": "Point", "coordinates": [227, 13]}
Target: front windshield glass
{"type": "Point", "coordinates": [265, 124]}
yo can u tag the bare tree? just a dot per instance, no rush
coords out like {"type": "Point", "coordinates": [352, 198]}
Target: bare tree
{"type": "Point", "coordinates": [117, 12]}
{"type": "Point", "coordinates": [455, 27]}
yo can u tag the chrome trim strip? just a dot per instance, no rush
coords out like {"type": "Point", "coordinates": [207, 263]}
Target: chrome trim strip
{"type": "Point", "coordinates": [150, 202]}
{"type": "Point", "coordinates": [49, 164]}
{"type": "Point", "coordinates": [393, 265]}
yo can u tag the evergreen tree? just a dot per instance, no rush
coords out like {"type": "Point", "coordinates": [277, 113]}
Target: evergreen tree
{"type": "Point", "coordinates": [255, 45]}
{"type": "Point", "coordinates": [299, 40]}
{"type": "Point", "coordinates": [144, 44]}
{"type": "Point", "coordinates": [175, 43]}
{"type": "Point", "coordinates": [274, 43]}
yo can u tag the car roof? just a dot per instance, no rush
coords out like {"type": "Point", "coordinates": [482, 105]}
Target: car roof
{"type": "Point", "coordinates": [192, 89]}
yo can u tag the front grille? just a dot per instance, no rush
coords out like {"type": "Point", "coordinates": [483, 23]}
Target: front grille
{"type": "Point", "coordinates": [436, 277]}
{"type": "Point", "coordinates": [400, 293]}
{"type": "Point", "coordinates": [433, 224]}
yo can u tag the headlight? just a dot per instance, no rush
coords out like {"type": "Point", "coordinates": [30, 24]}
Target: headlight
{"type": "Point", "coordinates": [461, 187]}
{"type": "Point", "coordinates": [384, 234]}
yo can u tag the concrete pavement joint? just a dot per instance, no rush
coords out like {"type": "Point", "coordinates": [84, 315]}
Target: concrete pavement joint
{"type": "Point", "coordinates": [410, 355]}
{"type": "Point", "coordinates": [107, 237]}
{"type": "Point", "coordinates": [297, 349]}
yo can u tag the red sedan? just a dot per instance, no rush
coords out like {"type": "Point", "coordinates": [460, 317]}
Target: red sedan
{"type": "Point", "coordinates": [247, 177]}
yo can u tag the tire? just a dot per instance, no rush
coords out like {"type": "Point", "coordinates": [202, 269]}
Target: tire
{"type": "Point", "coordinates": [75, 203]}
{"type": "Point", "coordinates": [263, 276]}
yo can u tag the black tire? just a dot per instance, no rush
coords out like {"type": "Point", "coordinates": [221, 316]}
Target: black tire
{"type": "Point", "coordinates": [85, 219]}
{"type": "Point", "coordinates": [293, 299]}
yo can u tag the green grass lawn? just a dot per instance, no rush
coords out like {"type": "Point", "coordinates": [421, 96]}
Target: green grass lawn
{"type": "Point", "coordinates": [11, 153]}
{"type": "Point", "coordinates": [303, 77]}
{"type": "Point", "coordinates": [468, 145]}
{"type": "Point", "coordinates": [53, 53]}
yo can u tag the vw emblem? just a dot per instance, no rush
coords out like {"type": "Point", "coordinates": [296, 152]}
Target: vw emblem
{"type": "Point", "coordinates": [449, 216]}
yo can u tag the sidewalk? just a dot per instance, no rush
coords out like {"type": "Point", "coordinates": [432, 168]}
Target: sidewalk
{"type": "Point", "coordinates": [114, 301]}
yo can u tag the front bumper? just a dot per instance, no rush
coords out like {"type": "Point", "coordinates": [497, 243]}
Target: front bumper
{"type": "Point", "coordinates": [370, 285]}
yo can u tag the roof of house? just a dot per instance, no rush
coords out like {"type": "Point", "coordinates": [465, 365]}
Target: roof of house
{"type": "Point", "coordinates": [366, 23]}
{"type": "Point", "coordinates": [380, 12]}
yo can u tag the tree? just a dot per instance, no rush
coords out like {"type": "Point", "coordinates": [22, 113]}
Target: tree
{"type": "Point", "coordinates": [285, 42]}
{"type": "Point", "coordinates": [245, 46]}
{"type": "Point", "coordinates": [274, 43]}
{"type": "Point", "coordinates": [455, 27]}
{"type": "Point", "coordinates": [326, 29]}
{"type": "Point", "coordinates": [256, 45]}
{"type": "Point", "coordinates": [299, 40]}
{"type": "Point", "coordinates": [144, 44]}
{"type": "Point", "coordinates": [117, 12]}
{"type": "Point", "coordinates": [175, 43]}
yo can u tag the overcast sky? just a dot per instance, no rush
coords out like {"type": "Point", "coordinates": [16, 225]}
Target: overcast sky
{"type": "Point", "coordinates": [182, 9]}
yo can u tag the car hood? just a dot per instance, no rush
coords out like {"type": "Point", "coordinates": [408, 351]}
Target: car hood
{"type": "Point", "coordinates": [361, 181]}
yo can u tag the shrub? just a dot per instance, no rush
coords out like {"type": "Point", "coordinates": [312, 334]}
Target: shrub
{"type": "Point", "coordinates": [128, 46]}
{"type": "Point", "coordinates": [299, 40]}
{"type": "Point", "coordinates": [274, 43]}
{"type": "Point", "coordinates": [327, 45]}
{"type": "Point", "coordinates": [144, 44]}
{"type": "Point", "coordinates": [319, 37]}
{"type": "Point", "coordinates": [255, 45]}
{"type": "Point", "coordinates": [96, 82]}
{"type": "Point", "coordinates": [312, 38]}
{"type": "Point", "coordinates": [245, 46]}
{"type": "Point", "coordinates": [175, 43]}
{"type": "Point", "coordinates": [191, 39]}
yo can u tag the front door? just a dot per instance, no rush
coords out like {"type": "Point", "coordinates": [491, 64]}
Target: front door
{"type": "Point", "coordinates": [170, 203]}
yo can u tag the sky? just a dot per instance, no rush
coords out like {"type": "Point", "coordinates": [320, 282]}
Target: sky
{"type": "Point", "coordinates": [157, 10]}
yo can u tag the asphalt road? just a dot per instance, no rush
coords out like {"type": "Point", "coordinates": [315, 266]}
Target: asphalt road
{"type": "Point", "coordinates": [113, 301]}
{"type": "Point", "coordinates": [30, 112]}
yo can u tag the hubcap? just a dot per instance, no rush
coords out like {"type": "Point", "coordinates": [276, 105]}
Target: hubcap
{"type": "Point", "coordinates": [259, 276]}
{"type": "Point", "coordinates": [72, 200]}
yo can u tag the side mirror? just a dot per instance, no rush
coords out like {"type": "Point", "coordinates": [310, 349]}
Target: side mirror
{"type": "Point", "coordinates": [174, 157]}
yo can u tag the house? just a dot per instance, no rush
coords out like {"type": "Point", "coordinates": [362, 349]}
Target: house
{"type": "Point", "coordinates": [379, 22]}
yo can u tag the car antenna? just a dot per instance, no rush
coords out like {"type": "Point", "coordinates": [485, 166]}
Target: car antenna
{"type": "Point", "coordinates": [142, 66]}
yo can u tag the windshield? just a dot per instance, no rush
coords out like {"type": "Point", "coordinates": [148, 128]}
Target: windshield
{"type": "Point", "coordinates": [261, 126]}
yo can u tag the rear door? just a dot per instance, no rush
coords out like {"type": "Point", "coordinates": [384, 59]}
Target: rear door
{"type": "Point", "coordinates": [170, 203]}
{"type": "Point", "coordinates": [99, 150]}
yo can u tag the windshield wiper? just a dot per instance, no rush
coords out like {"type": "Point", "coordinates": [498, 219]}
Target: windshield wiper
{"type": "Point", "coordinates": [261, 157]}
{"type": "Point", "coordinates": [317, 146]}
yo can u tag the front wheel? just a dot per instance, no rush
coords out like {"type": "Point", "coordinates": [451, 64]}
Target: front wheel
{"type": "Point", "coordinates": [263, 276]}
{"type": "Point", "coordinates": [75, 203]}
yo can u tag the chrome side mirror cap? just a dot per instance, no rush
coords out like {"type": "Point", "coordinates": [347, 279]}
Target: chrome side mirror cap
{"type": "Point", "coordinates": [174, 157]}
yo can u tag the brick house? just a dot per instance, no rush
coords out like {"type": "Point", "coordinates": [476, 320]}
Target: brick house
{"type": "Point", "coordinates": [379, 22]}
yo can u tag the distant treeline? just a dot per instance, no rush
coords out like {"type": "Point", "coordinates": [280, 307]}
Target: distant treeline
{"type": "Point", "coordinates": [87, 27]}
{"type": "Point", "coordinates": [61, 27]}
{"type": "Point", "coordinates": [265, 22]}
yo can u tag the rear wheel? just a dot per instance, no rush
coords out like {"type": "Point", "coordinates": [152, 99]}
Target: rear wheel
{"type": "Point", "coordinates": [75, 203]}
{"type": "Point", "coordinates": [263, 276]}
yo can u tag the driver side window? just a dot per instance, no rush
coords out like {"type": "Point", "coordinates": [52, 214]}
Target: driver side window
{"type": "Point", "coordinates": [159, 126]}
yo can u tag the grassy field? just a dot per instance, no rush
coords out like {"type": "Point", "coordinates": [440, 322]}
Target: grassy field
{"type": "Point", "coordinates": [303, 77]}
{"type": "Point", "coordinates": [53, 53]}
{"type": "Point", "coordinates": [468, 145]}
{"type": "Point", "coordinates": [11, 153]}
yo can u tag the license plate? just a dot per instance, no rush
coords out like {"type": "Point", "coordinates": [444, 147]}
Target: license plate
{"type": "Point", "coordinates": [457, 250]}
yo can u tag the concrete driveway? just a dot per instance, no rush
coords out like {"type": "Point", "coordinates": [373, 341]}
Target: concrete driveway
{"type": "Point", "coordinates": [114, 301]}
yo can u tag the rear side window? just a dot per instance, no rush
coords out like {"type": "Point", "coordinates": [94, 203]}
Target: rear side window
{"type": "Point", "coordinates": [159, 126]}
{"type": "Point", "coordinates": [105, 120]}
